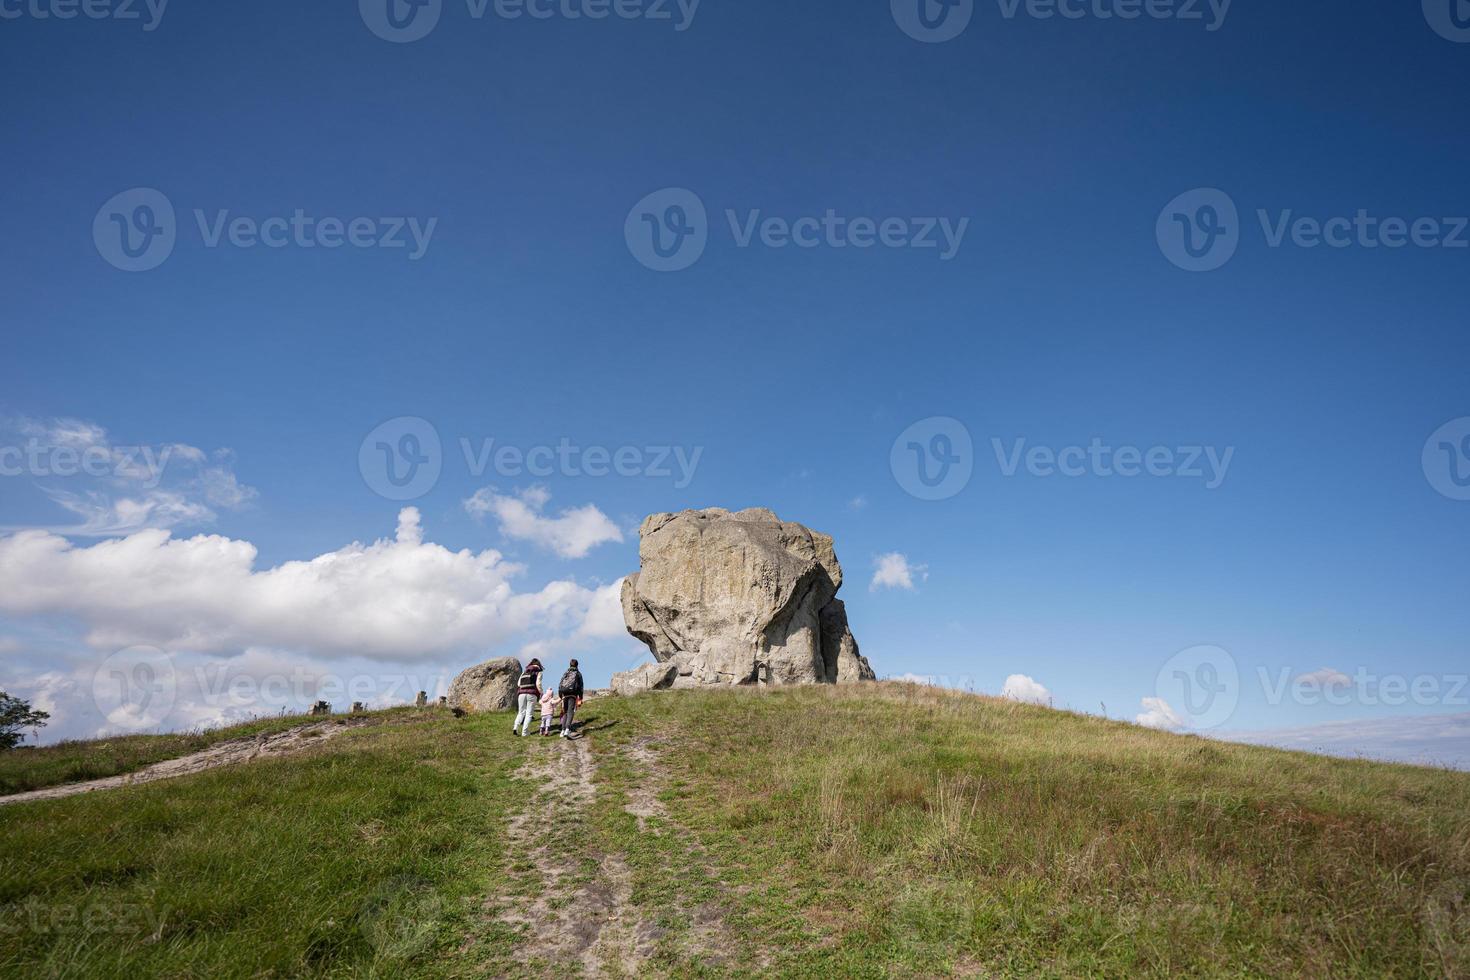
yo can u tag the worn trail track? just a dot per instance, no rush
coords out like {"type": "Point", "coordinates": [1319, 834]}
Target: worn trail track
{"type": "Point", "coordinates": [580, 908]}
{"type": "Point", "coordinates": [573, 898]}
{"type": "Point", "coordinates": [223, 754]}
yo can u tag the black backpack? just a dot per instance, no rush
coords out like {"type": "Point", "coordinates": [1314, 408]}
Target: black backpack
{"type": "Point", "coordinates": [528, 679]}
{"type": "Point", "coordinates": [568, 686]}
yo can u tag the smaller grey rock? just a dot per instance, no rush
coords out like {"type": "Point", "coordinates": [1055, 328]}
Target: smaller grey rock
{"type": "Point", "coordinates": [648, 677]}
{"type": "Point", "coordinates": [490, 686]}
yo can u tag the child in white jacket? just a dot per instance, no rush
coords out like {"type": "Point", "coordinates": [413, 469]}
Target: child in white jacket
{"type": "Point", "coordinates": [550, 705]}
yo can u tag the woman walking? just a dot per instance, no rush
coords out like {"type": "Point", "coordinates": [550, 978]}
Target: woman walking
{"type": "Point", "coordinates": [528, 692]}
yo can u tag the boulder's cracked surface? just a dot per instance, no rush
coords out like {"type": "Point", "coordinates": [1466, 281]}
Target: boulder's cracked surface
{"type": "Point", "coordinates": [740, 598]}
{"type": "Point", "coordinates": [490, 686]}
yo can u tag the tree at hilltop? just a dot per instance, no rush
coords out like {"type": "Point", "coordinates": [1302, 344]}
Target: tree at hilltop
{"type": "Point", "coordinates": [15, 715]}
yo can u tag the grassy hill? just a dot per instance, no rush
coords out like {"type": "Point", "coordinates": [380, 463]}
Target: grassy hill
{"type": "Point", "coordinates": [882, 830]}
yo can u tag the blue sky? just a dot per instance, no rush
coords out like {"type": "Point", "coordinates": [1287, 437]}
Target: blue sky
{"type": "Point", "coordinates": [528, 151]}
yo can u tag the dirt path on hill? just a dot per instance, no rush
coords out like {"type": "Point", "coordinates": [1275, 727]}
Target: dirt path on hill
{"type": "Point", "coordinates": [580, 904]}
{"type": "Point", "coordinates": [573, 898]}
{"type": "Point", "coordinates": [222, 754]}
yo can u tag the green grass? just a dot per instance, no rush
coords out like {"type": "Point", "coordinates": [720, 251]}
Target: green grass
{"type": "Point", "coordinates": [885, 830]}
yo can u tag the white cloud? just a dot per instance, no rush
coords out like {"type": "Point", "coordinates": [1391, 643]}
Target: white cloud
{"type": "Point", "coordinates": [1019, 687]}
{"type": "Point", "coordinates": [116, 490]}
{"type": "Point", "coordinates": [400, 599]}
{"type": "Point", "coordinates": [893, 571]}
{"type": "Point", "coordinates": [857, 503]}
{"type": "Point", "coordinates": [571, 534]}
{"type": "Point", "coordinates": [220, 486]}
{"type": "Point", "coordinates": [72, 433]}
{"type": "Point", "coordinates": [1158, 714]}
{"type": "Point", "coordinates": [1325, 678]}
{"type": "Point", "coordinates": [604, 613]}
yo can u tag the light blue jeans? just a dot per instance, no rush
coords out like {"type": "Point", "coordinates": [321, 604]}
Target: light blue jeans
{"type": "Point", "coordinates": [524, 703]}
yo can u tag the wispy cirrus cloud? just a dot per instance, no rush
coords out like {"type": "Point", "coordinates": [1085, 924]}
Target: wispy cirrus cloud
{"type": "Point", "coordinates": [114, 489]}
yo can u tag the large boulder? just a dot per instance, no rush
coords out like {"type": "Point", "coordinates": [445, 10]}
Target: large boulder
{"type": "Point", "coordinates": [740, 598]}
{"type": "Point", "coordinates": [490, 686]}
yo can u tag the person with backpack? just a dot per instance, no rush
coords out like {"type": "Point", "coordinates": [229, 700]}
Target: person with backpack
{"type": "Point", "coordinates": [528, 692]}
{"type": "Point", "coordinates": [570, 690]}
